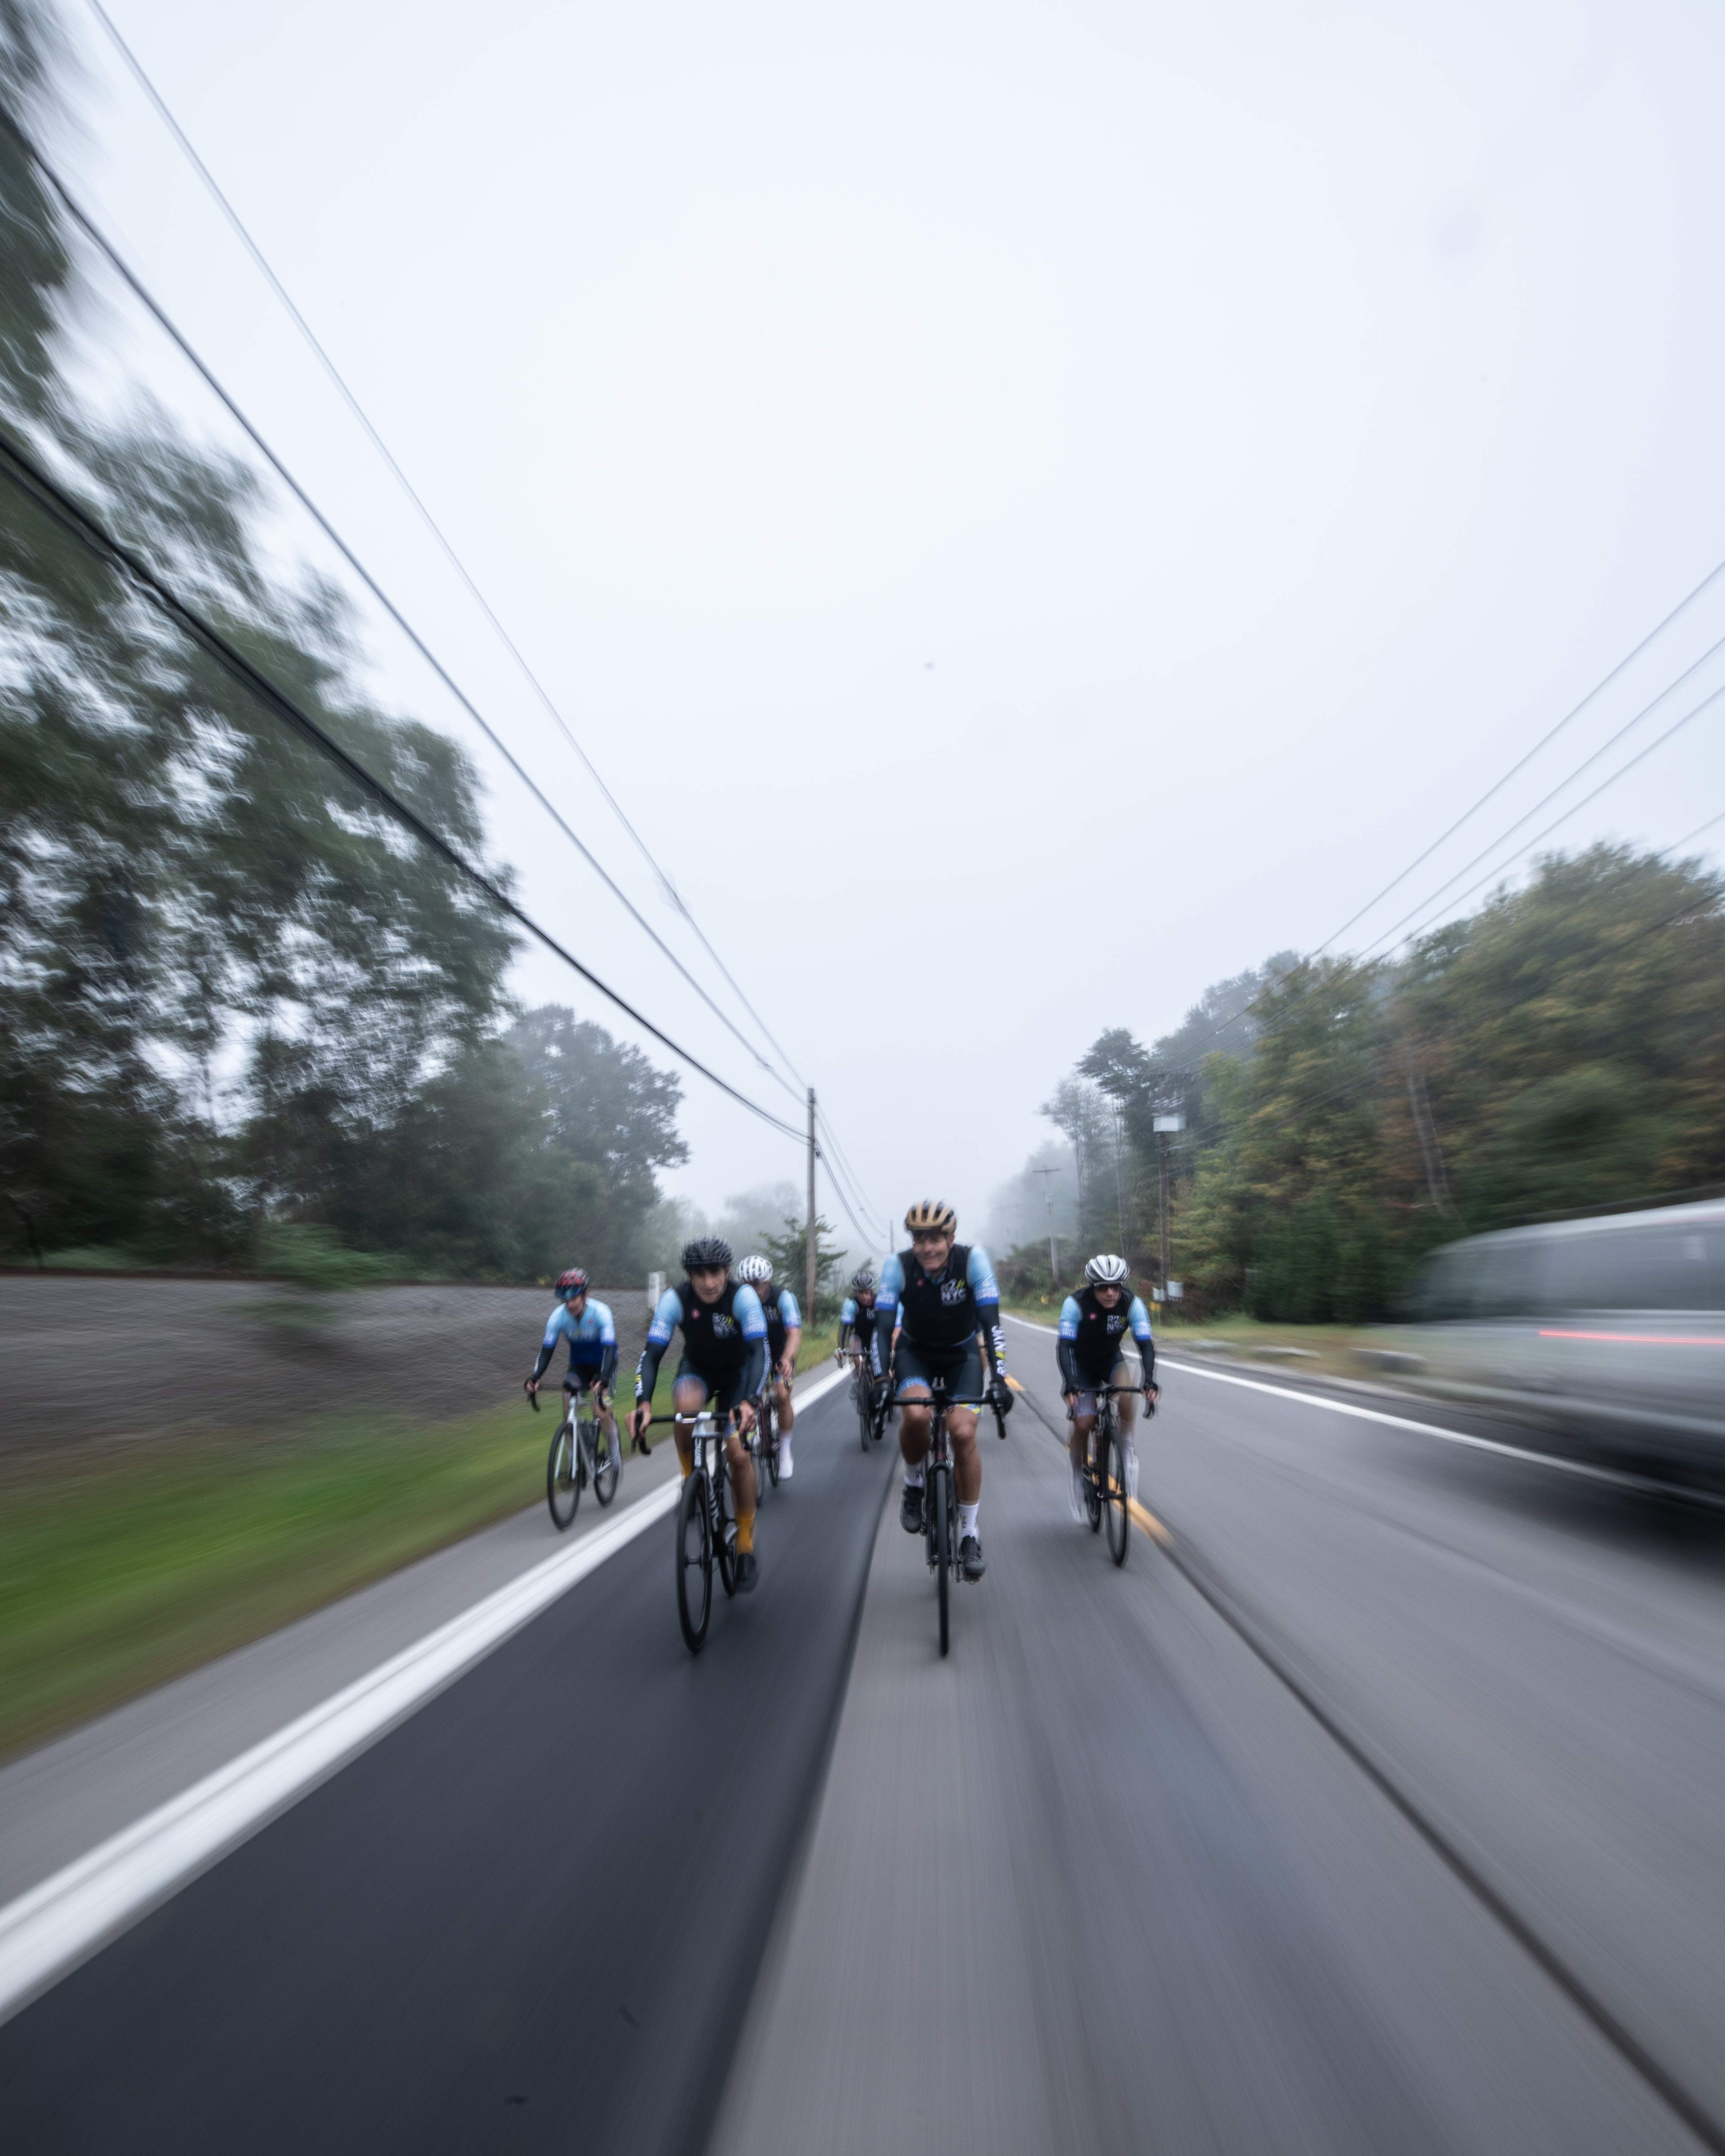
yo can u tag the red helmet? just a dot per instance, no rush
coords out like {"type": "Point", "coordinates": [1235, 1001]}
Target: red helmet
{"type": "Point", "coordinates": [573, 1282]}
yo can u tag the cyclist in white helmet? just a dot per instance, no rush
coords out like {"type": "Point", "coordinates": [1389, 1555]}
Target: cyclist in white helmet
{"type": "Point", "coordinates": [784, 1336]}
{"type": "Point", "coordinates": [1094, 1327]}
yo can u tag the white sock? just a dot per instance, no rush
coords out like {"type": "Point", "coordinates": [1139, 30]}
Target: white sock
{"type": "Point", "coordinates": [966, 1518]}
{"type": "Point", "coordinates": [1131, 1471]}
{"type": "Point", "coordinates": [913, 1477]}
{"type": "Point", "coordinates": [616, 1451]}
{"type": "Point", "coordinates": [1077, 1494]}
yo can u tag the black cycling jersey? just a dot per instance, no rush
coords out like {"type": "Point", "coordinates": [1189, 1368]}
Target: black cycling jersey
{"type": "Point", "coordinates": [938, 1309]}
{"type": "Point", "coordinates": [1103, 1336]}
{"type": "Point", "coordinates": [776, 1329]}
{"type": "Point", "coordinates": [713, 1344]}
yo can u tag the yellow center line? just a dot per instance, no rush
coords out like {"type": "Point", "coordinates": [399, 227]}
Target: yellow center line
{"type": "Point", "coordinates": [1149, 1522]}
{"type": "Point", "coordinates": [1142, 1513]}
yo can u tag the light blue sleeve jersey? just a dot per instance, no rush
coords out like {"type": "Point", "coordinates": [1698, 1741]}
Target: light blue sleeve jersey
{"type": "Point", "coordinates": [751, 1318]}
{"type": "Point", "coordinates": [1138, 1317]}
{"type": "Point", "coordinates": [787, 1310]}
{"type": "Point", "coordinates": [588, 1336]}
{"type": "Point", "coordinates": [1068, 1327]}
{"type": "Point", "coordinates": [887, 1295]}
{"type": "Point", "coordinates": [847, 1310]}
{"type": "Point", "coordinates": [666, 1319]}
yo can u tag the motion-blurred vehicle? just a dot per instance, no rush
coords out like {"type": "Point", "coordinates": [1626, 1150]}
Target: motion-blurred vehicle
{"type": "Point", "coordinates": [1611, 1330]}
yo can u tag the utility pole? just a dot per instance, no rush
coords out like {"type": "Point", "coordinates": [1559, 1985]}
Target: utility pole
{"type": "Point", "coordinates": [1164, 1125]}
{"type": "Point", "coordinates": [1054, 1261]}
{"type": "Point", "coordinates": [809, 1275]}
{"type": "Point", "coordinates": [1119, 1191]}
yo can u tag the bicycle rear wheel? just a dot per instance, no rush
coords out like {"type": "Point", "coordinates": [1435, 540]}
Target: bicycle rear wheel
{"type": "Point", "coordinates": [562, 1476]}
{"type": "Point", "coordinates": [695, 1562]}
{"type": "Point", "coordinates": [939, 1478]}
{"type": "Point", "coordinates": [1114, 1505]}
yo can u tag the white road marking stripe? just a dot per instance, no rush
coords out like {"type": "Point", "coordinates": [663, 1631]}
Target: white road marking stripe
{"type": "Point", "coordinates": [1617, 1477]}
{"type": "Point", "coordinates": [46, 1933]}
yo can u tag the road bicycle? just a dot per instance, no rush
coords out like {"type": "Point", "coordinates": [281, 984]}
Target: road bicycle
{"type": "Point", "coordinates": [940, 1496]}
{"type": "Point", "coordinates": [762, 1440]}
{"type": "Point", "coordinates": [579, 1455]}
{"type": "Point", "coordinates": [706, 1531]}
{"type": "Point", "coordinates": [1104, 1471]}
{"type": "Point", "coordinates": [869, 1397]}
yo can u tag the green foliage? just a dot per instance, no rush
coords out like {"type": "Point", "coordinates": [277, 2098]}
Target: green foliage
{"type": "Point", "coordinates": [316, 1261]}
{"type": "Point", "coordinates": [788, 1255]}
{"type": "Point", "coordinates": [235, 999]}
{"type": "Point", "coordinates": [1563, 1048]}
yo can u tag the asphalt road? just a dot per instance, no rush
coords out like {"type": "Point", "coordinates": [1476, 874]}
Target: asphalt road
{"type": "Point", "coordinates": [1379, 1813]}
{"type": "Point", "coordinates": [529, 1918]}
{"type": "Point", "coordinates": [1103, 1880]}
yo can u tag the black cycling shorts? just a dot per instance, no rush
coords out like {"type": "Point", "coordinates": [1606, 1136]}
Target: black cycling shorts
{"type": "Point", "coordinates": [723, 1394]}
{"type": "Point", "coordinates": [959, 1366]}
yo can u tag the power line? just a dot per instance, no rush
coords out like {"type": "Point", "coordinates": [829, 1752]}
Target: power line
{"type": "Point", "coordinates": [838, 1159]}
{"type": "Point", "coordinates": [1562, 784]}
{"type": "Point", "coordinates": [869, 1239]}
{"type": "Point", "coordinates": [1694, 712]}
{"type": "Point", "coordinates": [32, 482]}
{"type": "Point", "coordinates": [261, 261]}
{"type": "Point", "coordinates": [164, 112]}
{"type": "Point", "coordinates": [1491, 791]}
{"type": "Point", "coordinates": [1226, 1025]}
{"type": "Point", "coordinates": [93, 232]}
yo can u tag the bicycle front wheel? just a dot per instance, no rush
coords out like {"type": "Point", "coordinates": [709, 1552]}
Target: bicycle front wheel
{"type": "Point", "coordinates": [769, 1447]}
{"type": "Point", "coordinates": [695, 1562]}
{"type": "Point", "coordinates": [1095, 1452]}
{"type": "Point", "coordinates": [938, 1493]}
{"type": "Point", "coordinates": [605, 1470]}
{"type": "Point", "coordinates": [1114, 1504]}
{"type": "Point", "coordinates": [563, 1477]}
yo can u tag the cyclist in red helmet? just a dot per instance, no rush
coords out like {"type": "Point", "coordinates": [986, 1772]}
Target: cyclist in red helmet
{"type": "Point", "coordinates": [591, 1331]}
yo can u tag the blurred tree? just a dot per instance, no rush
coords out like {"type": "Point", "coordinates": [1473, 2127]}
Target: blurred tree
{"type": "Point", "coordinates": [788, 1253]}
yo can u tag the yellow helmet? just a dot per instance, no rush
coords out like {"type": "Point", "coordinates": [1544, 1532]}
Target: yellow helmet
{"type": "Point", "coordinates": [931, 1214]}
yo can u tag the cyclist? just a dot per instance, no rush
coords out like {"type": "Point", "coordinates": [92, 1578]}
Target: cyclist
{"type": "Point", "coordinates": [723, 1362]}
{"type": "Point", "coordinates": [591, 1331]}
{"type": "Point", "coordinates": [939, 1295]}
{"type": "Point", "coordinates": [1091, 1350]}
{"type": "Point", "coordinates": [856, 1316]}
{"type": "Point", "coordinates": [784, 1336]}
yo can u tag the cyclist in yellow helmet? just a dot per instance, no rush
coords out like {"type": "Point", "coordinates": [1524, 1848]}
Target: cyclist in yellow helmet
{"type": "Point", "coordinates": [942, 1296]}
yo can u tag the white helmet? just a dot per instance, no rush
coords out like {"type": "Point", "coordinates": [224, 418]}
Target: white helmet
{"type": "Point", "coordinates": [1107, 1271]}
{"type": "Point", "coordinates": [757, 1271]}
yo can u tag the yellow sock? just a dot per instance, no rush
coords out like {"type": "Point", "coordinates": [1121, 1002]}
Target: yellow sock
{"type": "Point", "coordinates": [745, 1533]}
{"type": "Point", "coordinates": [687, 1466]}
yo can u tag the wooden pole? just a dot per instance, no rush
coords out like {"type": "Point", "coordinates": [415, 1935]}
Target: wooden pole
{"type": "Point", "coordinates": [810, 1278]}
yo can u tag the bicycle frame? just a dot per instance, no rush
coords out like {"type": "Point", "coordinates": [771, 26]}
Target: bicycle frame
{"type": "Point", "coordinates": [940, 1503]}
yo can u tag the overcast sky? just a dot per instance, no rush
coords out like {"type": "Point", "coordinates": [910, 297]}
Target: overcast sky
{"type": "Point", "coordinates": [1031, 508]}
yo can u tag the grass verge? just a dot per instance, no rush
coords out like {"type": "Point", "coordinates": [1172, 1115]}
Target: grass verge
{"type": "Point", "coordinates": [124, 1567]}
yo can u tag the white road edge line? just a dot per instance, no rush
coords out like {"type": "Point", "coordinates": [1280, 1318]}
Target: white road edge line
{"type": "Point", "coordinates": [1617, 1477]}
{"type": "Point", "coordinates": [45, 1934]}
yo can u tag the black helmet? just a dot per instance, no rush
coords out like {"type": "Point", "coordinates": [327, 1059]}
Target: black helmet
{"type": "Point", "coordinates": [706, 1251]}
